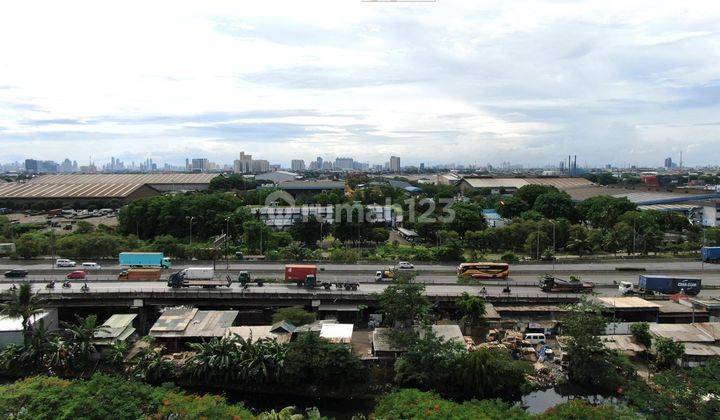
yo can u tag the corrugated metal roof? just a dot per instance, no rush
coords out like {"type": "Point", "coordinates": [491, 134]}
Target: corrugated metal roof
{"type": "Point", "coordinates": [116, 325]}
{"type": "Point", "coordinates": [627, 302]}
{"type": "Point", "coordinates": [171, 178]}
{"type": "Point", "coordinates": [36, 190]}
{"type": "Point", "coordinates": [258, 332]}
{"type": "Point", "coordinates": [698, 349]}
{"type": "Point", "coordinates": [624, 343]}
{"type": "Point", "coordinates": [337, 333]}
{"type": "Point", "coordinates": [180, 323]}
{"type": "Point", "coordinates": [174, 319]}
{"type": "Point", "coordinates": [681, 332]}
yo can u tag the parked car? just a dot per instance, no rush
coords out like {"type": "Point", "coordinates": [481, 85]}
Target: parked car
{"type": "Point", "coordinates": [16, 272]}
{"type": "Point", "coordinates": [535, 338]}
{"type": "Point", "coordinates": [91, 266]}
{"type": "Point", "coordinates": [404, 265]}
{"type": "Point", "coordinates": [76, 275]}
{"type": "Point", "coordinates": [64, 262]}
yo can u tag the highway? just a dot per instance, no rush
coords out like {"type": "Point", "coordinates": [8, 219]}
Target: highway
{"type": "Point", "coordinates": [492, 288]}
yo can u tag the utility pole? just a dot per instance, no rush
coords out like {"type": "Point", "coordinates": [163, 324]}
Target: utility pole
{"type": "Point", "coordinates": [227, 239]}
{"type": "Point", "coordinates": [191, 218]}
{"type": "Point", "coordinates": [537, 237]}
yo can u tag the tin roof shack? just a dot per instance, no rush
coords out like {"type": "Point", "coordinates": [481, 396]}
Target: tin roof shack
{"type": "Point", "coordinates": [181, 325]}
{"type": "Point", "coordinates": [711, 305]}
{"type": "Point", "coordinates": [281, 332]}
{"type": "Point", "coordinates": [676, 313]}
{"type": "Point", "coordinates": [701, 340]}
{"type": "Point", "coordinates": [117, 328]}
{"type": "Point", "coordinates": [347, 312]}
{"type": "Point", "coordinates": [11, 331]}
{"type": "Point", "coordinates": [384, 348]}
{"type": "Point", "coordinates": [625, 344]}
{"type": "Point", "coordinates": [631, 309]}
{"type": "Point", "coordinates": [337, 333]}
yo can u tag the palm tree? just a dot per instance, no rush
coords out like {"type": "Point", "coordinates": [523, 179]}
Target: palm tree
{"type": "Point", "coordinates": [149, 364]}
{"type": "Point", "coordinates": [23, 304]}
{"type": "Point", "coordinates": [81, 338]}
{"type": "Point", "coordinates": [215, 359]}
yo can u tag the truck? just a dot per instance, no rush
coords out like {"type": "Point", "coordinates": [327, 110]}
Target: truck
{"type": "Point", "coordinates": [385, 275]}
{"type": "Point", "coordinates": [144, 259]}
{"type": "Point", "coordinates": [558, 285]}
{"type": "Point", "coordinates": [245, 279]}
{"type": "Point", "coordinates": [140, 274]}
{"type": "Point", "coordinates": [710, 254]}
{"type": "Point", "coordinates": [197, 276]}
{"type": "Point", "coordinates": [306, 276]}
{"type": "Point", "coordinates": [298, 273]}
{"type": "Point", "coordinates": [652, 284]}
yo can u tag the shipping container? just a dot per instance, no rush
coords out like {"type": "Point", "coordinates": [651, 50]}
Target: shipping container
{"type": "Point", "coordinates": [298, 273]}
{"type": "Point", "coordinates": [144, 259]}
{"type": "Point", "coordinates": [710, 254]}
{"type": "Point", "coordinates": [140, 274]}
{"type": "Point", "coordinates": [670, 285]}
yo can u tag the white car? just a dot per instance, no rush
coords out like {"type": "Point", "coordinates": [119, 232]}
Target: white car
{"type": "Point", "coordinates": [404, 265]}
{"type": "Point", "coordinates": [91, 266]}
{"type": "Point", "coordinates": [62, 262]}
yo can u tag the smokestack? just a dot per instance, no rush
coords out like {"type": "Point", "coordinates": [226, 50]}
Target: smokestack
{"type": "Point", "coordinates": [569, 168]}
{"type": "Point", "coordinates": [574, 165]}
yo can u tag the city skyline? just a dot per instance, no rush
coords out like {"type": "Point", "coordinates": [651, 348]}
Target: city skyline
{"type": "Point", "coordinates": [435, 83]}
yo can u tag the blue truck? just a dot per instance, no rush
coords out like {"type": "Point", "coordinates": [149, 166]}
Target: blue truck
{"type": "Point", "coordinates": [710, 254]}
{"type": "Point", "coordinates": [651, 284]}
{"type": "Point", "coordinates": [144, 259]}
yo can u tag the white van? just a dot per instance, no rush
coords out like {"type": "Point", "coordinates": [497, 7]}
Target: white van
{"type": "Point", "coordinates": [64, 262]}
{"type": "Point", "coordinates": [535, 338]}
{"type": "Point", "coordinates": [91, 266]}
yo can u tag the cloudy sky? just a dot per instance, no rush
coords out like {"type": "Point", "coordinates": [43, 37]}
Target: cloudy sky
{"type": "Point", "coordinates": [447, 81]}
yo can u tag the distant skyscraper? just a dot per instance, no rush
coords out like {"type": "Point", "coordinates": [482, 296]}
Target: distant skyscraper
{"type": "Point", "coordinates": [200, 165]}
{"type": "Point", "coordinates": [259, 166]}
{"type": "Point", "coordinates": [343, 163]}
{"type": "Point", "coordinates": [668, 163]}
{"type": "Point", "coordinates": [319, 162]}
{"type": "Point", "coordinates": [394, 165]}
{"type": "Point", "coordinates": [297, 165]}
{"type": "Point", "coordinates": [31, 166]}
{"type": "Point", "coordinates": [243, 165]}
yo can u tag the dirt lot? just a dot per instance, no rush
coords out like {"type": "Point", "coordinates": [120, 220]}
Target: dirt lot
{"type": "Point", "coordinates": [63, 221]}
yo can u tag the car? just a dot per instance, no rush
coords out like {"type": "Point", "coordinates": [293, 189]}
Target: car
{"type": "Point", "coordinates": [63, 262]}
{"type": "Point", "coordinates": [76, 275]}
{"type": "Point", "coordinates": [404, 265]}
{"type": "Point", "coordinates": [90, 266]}
{"type": "Point", "coordinates": [16, 272]}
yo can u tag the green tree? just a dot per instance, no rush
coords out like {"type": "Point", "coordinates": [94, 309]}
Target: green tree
{"type": "Point", "coordinates": [296, 316]}
{"type": "Point", "coordinates": [308, 232]}
{"type": "Point", "coordinates": [641, 332]}
{"type": "Point", "coordinates": [488, 373]}
{"type": "Point", "coordinates": [668, 351]}
{"type": "Point", "coordinates": [315, 363]}
{"type": "Point", "coordinates": [428, 363]}
{"type": "Point", "coordinates": [471, 307]}
{"type": "Point", "coordinates": [24, 304]}
{"type": "Point", "coordinates": [530, 193]}
{"type": "Point", "coordinates": [256, 236]}
{"type": "Point", "coordinates": [591, 365]}
{"type": "Point", "coordinates": [31, 245]}
{"type": "Point", "coordinates": [537, 242]}
{"type": "Point", "coordinates": [555, 205]}
{"type": "Point", "coordinates": [415, 404]}
{"type": "Point", "coordinates": [467, 217]}
{"type": "Point", "coordinates": [404, 303]}
{"type": "Point", "coordinates": [84, 227]}
{"type": "Point", "coordinates": [80, 340]}
{"type": "Point", "coordinates": [511, 207]}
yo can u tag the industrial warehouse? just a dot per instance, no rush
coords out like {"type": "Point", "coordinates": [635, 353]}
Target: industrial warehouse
{"type": "Point", "coordinates": [83, 188]}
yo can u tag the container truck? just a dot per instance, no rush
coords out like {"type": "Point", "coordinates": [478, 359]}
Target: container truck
{"type": "Point", "coordinates": [140, 274]}
{"type": "Point", "coordinates": [559, 285]}
{"type": "Point", "coordinates": [650, 284]}
{"type": "Point", "coordinates": [197, 276]}
{"type": "Point", "coordinates": [144, 259]}
{"type": "Point", "coordinates": [297, 273]}
{"type": "Point", "coordinates": [306, 276]}
{"type": "Point", "coordinates": [710, 254]}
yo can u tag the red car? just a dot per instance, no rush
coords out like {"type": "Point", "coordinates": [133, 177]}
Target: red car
{"type": "Point", "coordinates": [76, 275]}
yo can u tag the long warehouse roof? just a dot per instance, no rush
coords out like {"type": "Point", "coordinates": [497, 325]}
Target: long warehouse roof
{"type": "Point", "coordinates": [31, 190]}
{"type": "Point", "coordinates": [172, 178]}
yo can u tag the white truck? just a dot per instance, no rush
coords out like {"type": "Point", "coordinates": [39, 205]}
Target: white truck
{"type": "Point", "coordinates": [197, 276]}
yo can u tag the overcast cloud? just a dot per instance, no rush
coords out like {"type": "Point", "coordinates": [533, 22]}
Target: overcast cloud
{"type": "Point", "coordinates": [451, 81]}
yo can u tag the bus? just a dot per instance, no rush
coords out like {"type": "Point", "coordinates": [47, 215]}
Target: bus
{"type": "Point", "coordinates": [484, 270]}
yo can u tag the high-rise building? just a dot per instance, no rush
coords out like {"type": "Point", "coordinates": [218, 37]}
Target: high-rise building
{"type": "Point", "coordinates": [343, 163]}
{"type": "Point", "coordinates": [259, 166]}
{"type": "Point", "coordinates": [319, 162]}
{"type": "Point", "coordinates": [327, 166]}
{"type": "Point", "coordinates": [394, 165]}
{"type": "Point", "coordinates": [200, 165]}
{"type": "Point", "coordinates": [668, 163]}
{"type": "Point", "coordinates": [31, 166]}
{"type": "Point", "coordinates": [243, 165]}
{"type": "Point", "coordinates": [297, 165]}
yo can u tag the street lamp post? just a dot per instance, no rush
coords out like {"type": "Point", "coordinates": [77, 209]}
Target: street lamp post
{"type": "Point", "coordinates": [227, 238]}
{"type": "Point", "coordinates": [191, 218]}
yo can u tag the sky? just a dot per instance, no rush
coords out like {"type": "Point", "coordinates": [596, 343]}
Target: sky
{"type": "Point", "coordinates": [469, 82]}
